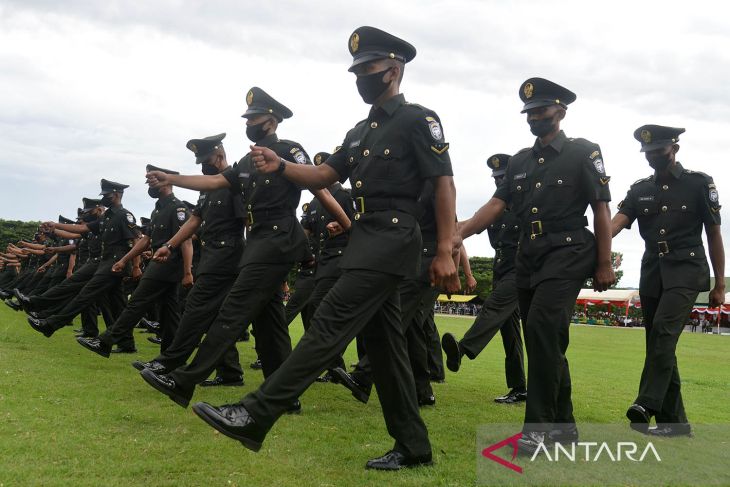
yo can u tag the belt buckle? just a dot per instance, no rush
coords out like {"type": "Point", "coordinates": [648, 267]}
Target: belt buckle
{"type": "Point", "coordinates": [535, 229]}
{"type": "Point", "coordinates": [360, 204]}
{"type": "Point", "coordinates": [663, 247]}
{"type": "Point", "coordinates": [249, 217]}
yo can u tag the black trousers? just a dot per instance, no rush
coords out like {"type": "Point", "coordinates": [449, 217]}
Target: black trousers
{"type": "Point", "coordinates": [362, 301]}
{"type": "Point", "coordinates": [148, 294]}
{"type": "Point", "coordinates": [546, 311]}
{"type": "Point", "coordinates": [500, 312]}
{"type": "Point", "coordinates": [255, 298]}
{"type": "Point", "coordinates": [201, 307]}
{"type": "Point", "coordinates": [433, 341]}
{"type": "Point", "coordinates": [65, 291]}
{"type": "Point", "coordinates": [299, 301]}
{"type": "Point", "coordinates": [660, 385]}
{"type": "Point", "coordinates": [44, 283]}
{"type": "Point", "coordinates": [31, 282]}
{"type": "Point", "coordinates": [105, 287]}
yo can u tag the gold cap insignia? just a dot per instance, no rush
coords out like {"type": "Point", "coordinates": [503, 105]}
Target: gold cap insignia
{"type": "Point", "coordinates": [318, 159]}
{"type": "Point", "coordinates": [646, 136]}
{"type": "Point", "coordinates": [354, 42]}
{"type": "Point", "coordinates": [305, 206]}
{"type": "Point", "coordinates": [249, 97]}
{"type": "Point", "coordinates": [194, 148]}
{"type": "Point", "coordinates": [528, 89]}
{"type": "Point", "coordinates": [495, 162]}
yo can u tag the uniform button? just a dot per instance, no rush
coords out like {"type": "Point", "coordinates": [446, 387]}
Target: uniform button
{"type": "Point", "coordinates": [661, 254]}
{"type": "Point", "coordinates": [357, 216]}
{"type": "Point", "coordinates": [664, 208]}
{"type": "Point", "coordinates": [394, 220]}
{"type": "Point", "coordinates": [560, 181]}
{"type": "Point", "coordinates": [219, 201]}
{"type": "Point", "coordinates": [275, 227]}
{"type": "Point", "coordinates": [684, 207]}
{"type": "Point", "coordinates": [254, 184]}
{"type": "Point", "coordinates": [538, 185]}
{"type": "Point", "coordinates": [425, 251]}
{"type": "Point", "coordinates": [534, 210]}
{"type": "Point", "coordinates": [691, 254]}
{"type": "Point", "coordinates": [540, 161]}
{"type": "Point", "coordinates": [222, 242]}
{"type": "Point", "coordinates": [646, 210]}
{"type": "Point", "coordinates": [519, 188]}
{"type": "Point", "coordinates": [366, 152]}
{"type": "Point", "coordinates": [352, 159]}
{"type": "Point", "coordinates": [665, 187]}
{"type": "Point", "coordinates": [321, 234]}
{"type": "Point", "coordinates": [499, 260]}
{"type": "Point", "coordinates": [321, 217]}
{"type": "Point", "coordinates": [503, 225]}
{"type": "Point", "coordinates": [386, 151]}
{"type": "Point", "coordinates": [517, 227]}
{"type": "Point", "coordinates": [374, 125]}
{"type": "Point", "coordinates": [568, 239]}
{"type": "Point", "coordinates": [662, 231]}
{"type": "Point", "coordinates": [267, 181]}
{"type": "Point", "coordinates": [358, 184]}
{"type": "Point", "coordinates": [249, 206]}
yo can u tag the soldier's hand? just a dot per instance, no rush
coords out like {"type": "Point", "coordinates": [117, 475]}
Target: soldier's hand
{"type": "Point", "coordinates": [443, 274]}
{"type": "Point", "coordinates": [334, 229]}
{"type": "Point", "coordinates": [136, 273]}
{"type": "Point", "coordinates": [41, 270]}
{"type": "Point", "coordinates": [48, 226]}
{"type": "Point", "coordinates": [156, 179]}
{"type": "Point", "coordinates": [604, 278]}
{"type": "Point", "coordinates": [146, 255]}
{"type": "Point", "coordinates": [162, 254]}
{"type": "Point", "coordinates": [264, 159]}
{"type": "Point", "coordinates": [49, 250]}
{"type": "Point", "coordinates": [187, 280]}
{"type": "Point", "coordinates": [471, 284]}
{"type": "Point", "coordinates": [717, 297]}
{"type": "Point", "coordinates": [118, 267]}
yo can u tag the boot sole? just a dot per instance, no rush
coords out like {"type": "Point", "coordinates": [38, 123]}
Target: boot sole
{"type": "Point", "coordinates": [200, 410]}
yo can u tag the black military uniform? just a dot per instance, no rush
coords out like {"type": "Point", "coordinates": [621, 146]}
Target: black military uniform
{"type": "Point", "coordinates": [159, 283]}
{"type": "Point", "coordinates": [298, 301]}
{"type": "Point", "coordinates": [274, 242]}
{"type": "Point", "coordinates": [118, 229]}
{"type": "Point", "coordinates": [671, 212]}
{"type": "Point", "coordinates": [387, 158]}
{"type": "Point", "coordinates": [500, 311]}
{"type": "Point", "coordinates": [221, 241]}
{"type": "Point", "coordinates": [549, 188]}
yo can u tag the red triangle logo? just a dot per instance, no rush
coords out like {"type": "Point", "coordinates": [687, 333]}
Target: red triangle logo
{"type": "Point", "coordinates": [512, 440]}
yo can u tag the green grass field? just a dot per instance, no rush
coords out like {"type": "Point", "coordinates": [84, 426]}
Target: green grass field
{"type": "Point", "coordinates": [70, 417]}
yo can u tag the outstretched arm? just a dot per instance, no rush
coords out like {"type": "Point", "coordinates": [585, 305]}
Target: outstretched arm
{"type": "Point", "coordinates": [199, 183]}
{"type": "Point", "coordinates": [310, 177]}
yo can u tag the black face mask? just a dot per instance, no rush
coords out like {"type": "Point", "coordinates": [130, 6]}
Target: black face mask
{"type": "Point", "coordinates": [371, 86]}
{"type": "Point", "coordinates": [153, 192]}
{"type": "Point", "coordinates": [659, 162]}
{"type": "Point", "coordinates": [542, 127]}
{"type": "Point", "coordinates": [255, 132]}
{"type": "Point", "coordinates": [208, 169]}
{"type": "Point", "coordinates": [88, 218]}
{"type": "Point", "coordinates": [106, 200]}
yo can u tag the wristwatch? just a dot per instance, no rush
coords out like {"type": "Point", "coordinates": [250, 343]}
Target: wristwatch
{"type": "Point", "coordinates": [282, 166]}
{"type": "Point", "coordinates": [168, 246]}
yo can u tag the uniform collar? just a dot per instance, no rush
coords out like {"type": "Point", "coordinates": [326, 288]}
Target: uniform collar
{"type": "Point", "coordinates": [557, 143]}
{"type": "Point", "coordinates": [165, 200]}
{"type": "Point", "coordinates": [268, 141]}
{"type": "Point", "coordinates": [391, 105]}
{"type": "Point", "coordinates": [674, 171]}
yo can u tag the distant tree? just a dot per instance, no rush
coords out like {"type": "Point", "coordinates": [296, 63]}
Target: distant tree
{"type": "Point", "coordinates": [481, 268]}
{"type": "Point", "coordinates": [616, 258]}
{"type": "Point", "coordinates": [13, 230]}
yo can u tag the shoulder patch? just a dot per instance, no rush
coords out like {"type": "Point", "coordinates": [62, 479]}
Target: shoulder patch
{"type": "Point", "coordinates": [714, 196]}
{"type": "Point", "coordinates": [300, 157]}
{"type": "Point", "coordinates": [130, 218]}
{"type": "Point", "coordinates": [181, 214]}
{"type": "Point", "coordinates": [598, 164]}
{"type": "Point", "coordinates": [435, 128]}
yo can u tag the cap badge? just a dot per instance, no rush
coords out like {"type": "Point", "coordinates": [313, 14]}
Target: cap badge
{"type": "Point", "coordinates": [646, 136]}
{"type": "Point", "coordinates": [318, 159]}
{"type": "Point", "coordinates": [249, 97]}
{"type": "Point", "coordinates": [528, 89]}
{"type": "Point", "coordinates": [495, 162]}
{"type": "Point", "coordinates": [354, 42]}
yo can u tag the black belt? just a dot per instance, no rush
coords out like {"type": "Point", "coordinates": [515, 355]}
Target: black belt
{"type": "Point", "coordinates": [221, 240]}
{"type": "Point", "coordinates": [663, 247]}
{"type": "Point", "coordinates": [257, 216]}
{"type": "Point", "coordinates": [541, 227]}
{"type": "Point", "coordinates": [367, 205]}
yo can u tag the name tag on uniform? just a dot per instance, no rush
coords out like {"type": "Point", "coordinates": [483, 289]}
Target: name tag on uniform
{"type": "Point", "coordinates": [244, 175]}
{"type": "Point", "coordinates": [354, 144]}
{"type": "Point", "coordinates": [646, 198]}
{"type": "Point", "coordinates": [521, 175]}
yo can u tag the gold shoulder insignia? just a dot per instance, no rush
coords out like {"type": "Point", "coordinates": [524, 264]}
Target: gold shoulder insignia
{"type": "Point", "coordinates": [594, 154]}
{"type": "Point", "coordinates": [620, 204]}
{"type": "Point", "coordinates": [439, 148]}
{"type": "Point", "coordinates": [604, 181]}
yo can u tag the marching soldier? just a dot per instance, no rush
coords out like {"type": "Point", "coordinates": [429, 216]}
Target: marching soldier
{"type": "Point", "coordinates": [549, 187]}
{"type": "Point", "coordinates": [672, 206]}
{"type": "Point", "coordinates": [500, 311]}
{"type": "Point", "coordinates": [387, 157]}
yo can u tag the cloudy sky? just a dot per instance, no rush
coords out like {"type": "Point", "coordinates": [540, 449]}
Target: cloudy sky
{"type": "Point", "coordinates": [99, 89]}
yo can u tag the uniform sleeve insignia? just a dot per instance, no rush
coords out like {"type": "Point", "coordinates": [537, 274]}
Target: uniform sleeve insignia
{"type": "Point", "coordinates": [714, 197]}
{"type": "Point", "coordinates": [435, 128]}
{"type": "Point", "coordinates": [337, 149]}
{"type": "Point", "coordinates": [711, 185]}
{"type": "Point", "coordinates": [598, 163]}
{"type": "Point", "coordinates": [440, 148]}
{"type": "Point", "coordinates": [181, 214]}
{"type": "Point", "coordinates": [528, 90]}
{"type": "Point", "coordinates": [594, 154]}
{"type": "Point", "coordinates": [646, 136]}
{"type": "Point", "coordinates": [249, 97]}
{"type": "Point", "coordinates": [620, 204]}
{"type": "Point", "coordinates": [300, 157]}
{"type": "Point", "coordinates": [604, 181]}
{"type": "Point", "coordinates": [130, 218]}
